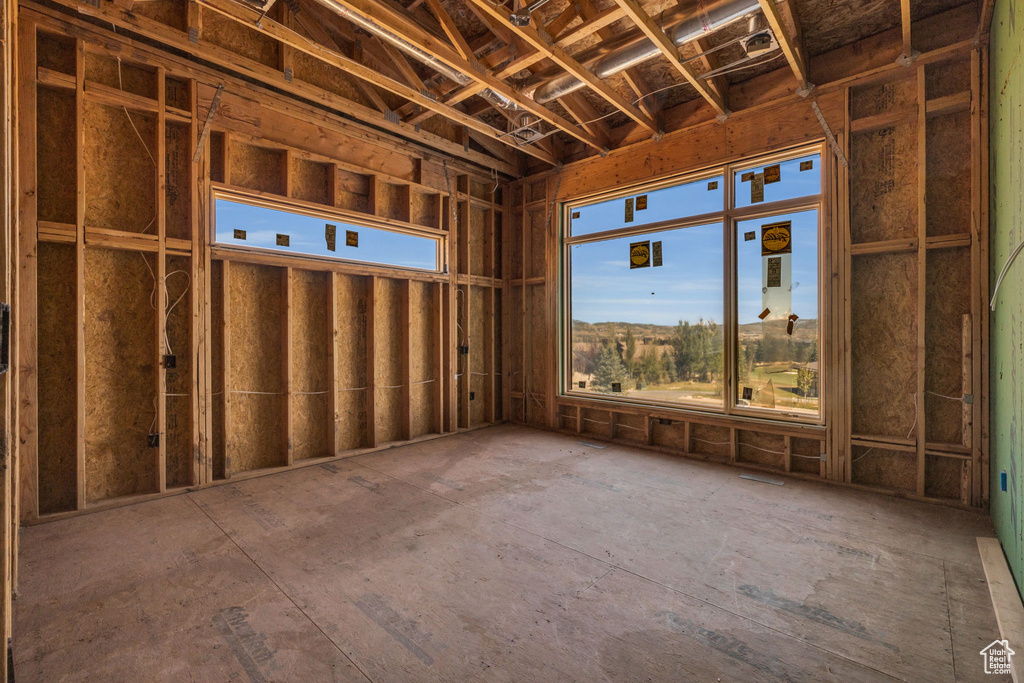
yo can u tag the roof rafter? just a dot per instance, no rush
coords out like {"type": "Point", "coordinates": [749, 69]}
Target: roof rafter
{"type": "Point", "coordinates": [401, 25]}
{"type": "Point", "coordinates": [248, 16]}
{"type": "Point", "coordinates": [671, 52]}
{"type": "Point", "coordinates": [544, 43]}
{"type": "Point", "coordinates": [793, 56]}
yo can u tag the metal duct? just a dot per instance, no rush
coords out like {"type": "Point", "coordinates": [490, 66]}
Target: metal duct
{"type": "Point", "coordinates": [694, 27]}
{"type": "Point", "coordinates": [370, 26]}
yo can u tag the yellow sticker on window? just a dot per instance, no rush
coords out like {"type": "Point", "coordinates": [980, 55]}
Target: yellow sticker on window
{"type": "Point", "coordinates": [776, 238]}
{"type": "Point", "coordinates": [639, 255]}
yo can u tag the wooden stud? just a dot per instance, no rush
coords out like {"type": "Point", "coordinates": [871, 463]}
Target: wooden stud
{"type": "Point", "coordinates": [287, 403]}
{"type": "Point", "coordinates": [371, 362]}
{"type": "Point", "coordinates": [161, 282]}
{"type": "Point", "coordinates": [405, 365]}
{"type": "Point", "coordinates": [226, 384]}
{"type": "Point", "coordinates": [793, 57]}
{"type": "Point", "coordinates": [905, 25]}
{"type": "Point", "coordinates": [922, 281]}
{"type": "Point", "coordinates": [439, 361]}
{"type": "Point", "coordinates": [80, 274]}
{"type": "Point", "coordinates": [333, 360]}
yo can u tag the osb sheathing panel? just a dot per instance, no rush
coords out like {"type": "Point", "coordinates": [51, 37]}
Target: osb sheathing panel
{"type": "Point", "coordinates": [216, 156]}
{"type": "Point", "coordinates": [883, 184]}
{"type": "Point", "coordinates": [498, 371]}
{"type": "Point", "coordinates": [242, 40]}
{"type": "Point", "coordinates": [763, 449]}
{"type": "Point", "coordinates": [257, 168]}
{"type": "Point", "coordinates": [55, 52]}
{"type": "Point", "coordinates": [498, 235]}
{"type": "Point", "coordinates": [57, 380]}
{"type": "Point", "coordinates": [311, 341]}
{"type": "Point", "coordinates": [256, 325]}
{"type": "Point", "coordinates": [178, 192]}
{"type": "Point", "coordinates": [423, 326]}
{"type": "Point", "coordinates": [170, 12]}
{"type": "Point", "coordinates": [121, 75]}
{"type": "Point", "coordinates": [326, 77]}
{"type": "Point", "coordinates": [352, 191]}
{"type": "Point", "coordinates": [55, 111]}
{"type": "Point", "coordinates": [353, 370]}
{"type": "Point", "coordinates": [216, 339]}
{"type": "Point", "coordinates": [393, 201]}
{"type": "Point", "coordinates": [883, 344]}
{"type": "Point", "coordinates": [442, 127]}
{"type": "Point", "coordinates": [948, 299]}
{"type": "Point", "coordinates": [806, 455]}
{"type": "Point", "coordinates": [514, 300]}
{"type": "Point", "coordinates": [120, 185]}
{"type": "Point", "coordinates": [480, 242]}
{"type": "Point", "coordinates": [949, 174]}
{"type": "Point", "coordinates": [947, 78]}
{"type": "Point", "coordinates": [630, 427]}
{"type": "Point", "coordinates": [946, 477]}
{"type": "Point", "coordinates": [670, 436]}
{"type": "Point", "coordinates": [388, 335]}
{"type": "Point", "coordinates": [513, 243]}
{"type": "Point", "coordinates": [536, 351]}
{"type": "Point", "coordinates": [309, 181]}
{"type": "Point", "coordinates": [884, 97]}
{"type": "Point", "coordinates": [177, 93]}
{"type": "Point", "coordinates": [710, 441]}
{"type": "Point", "coordinates": [536, 240]}
{"type": "Point", "coordinates": [120, 374]}
{"type": "Point", "coordinates": [425, 210]}
{"type": "Point", "coordinates": [597, 423]}
{"type": "Point", "coordinates": [479, 339]}
{"type": "Point", "coordinates": [894, 470]}
{"type": "Point", "coordinates": [179, 449]}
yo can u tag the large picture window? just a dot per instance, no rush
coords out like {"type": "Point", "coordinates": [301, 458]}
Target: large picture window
{"type": "Point", "coordinates": [700, 292]}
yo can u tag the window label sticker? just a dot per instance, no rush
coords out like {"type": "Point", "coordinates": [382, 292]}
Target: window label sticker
{"type": "Point", "coordinates": [617, 387]}
{"type": "Point", "coordinates": [656, 254]}
{"type": "Point", "coordinates": [575, 214]}
{"type": "Point", "coordinates": [351, 238]}
{"type": "Point", "coordinates": [239, 234]}
{"type": "Point", "coordinates": [757, 188]}
{"type": "Point", "coordinates": [765, 313]}
{"type": "Point", "coordinates": [774, 271]}
{"type": "Point", "coordinates": [772, 174]}
{"type": "Point", "coordinates": [283, 240]}
{"type": "Point", "coordinates": [750, 236]}
{"type": "Point", "coordinates": [641, 202]}
{"type": "Point", "coordinates": [331, 235]}
{"type": "Point", "coordinates": [583, 384]}
{"type": "Point", "coordinates": [629, 210]}
{"type": "Point", "coordinates": [748, 393]}
{"type": "Point", "coordinates": [807, 165]}
{"type": "Point", "coordinates": [747, 177]}
{"type": "Point", "coordinates": [776, 238]}
{"type": "Point", "coordinates": [639, 254]}
{"type": "Point", "coordinates": [713, 185]}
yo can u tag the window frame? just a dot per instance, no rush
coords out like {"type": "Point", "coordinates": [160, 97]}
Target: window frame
{"type": "Point", "coordinates": [729, 217]}
{"type": "Point", "coordinates": [314, 210]}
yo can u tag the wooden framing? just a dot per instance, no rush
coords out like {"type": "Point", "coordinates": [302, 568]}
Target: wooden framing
{"type": "Point", "coordinates": [951, 473]}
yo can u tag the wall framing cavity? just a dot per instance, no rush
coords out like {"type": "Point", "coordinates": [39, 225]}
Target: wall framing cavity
{"type": "Point", "coordinates": [279, 361]}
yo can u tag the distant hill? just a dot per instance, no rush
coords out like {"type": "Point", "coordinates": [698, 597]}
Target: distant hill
{"type": "Point", "coordinates": [803, 330]}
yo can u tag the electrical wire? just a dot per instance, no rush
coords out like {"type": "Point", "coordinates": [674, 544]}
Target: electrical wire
{"type": "Point", "coordinates": [1002, 274]}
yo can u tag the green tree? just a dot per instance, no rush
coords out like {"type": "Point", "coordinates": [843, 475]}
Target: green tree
{"type": "Point", "coordinates": [609, 369]}
{"type": "Point", "coordinates": [630, 351]}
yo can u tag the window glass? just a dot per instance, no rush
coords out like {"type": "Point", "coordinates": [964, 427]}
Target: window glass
{"type": "Point", "coordinates": [777, 359]}
{"type": "Point", "coordinates": [778, 180]}
{"type": "Point", "coordinates": [668, 203]}
{"type": "Point", "coordinates": [289, 232]}
{"type": "Point", "coordinates": [647, 316]}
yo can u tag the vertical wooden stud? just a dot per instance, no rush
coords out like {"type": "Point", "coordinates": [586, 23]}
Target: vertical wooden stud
{"type": "Point", "coordinates": [332, 359]}
{"type": "Point", "coordinates": [80, 273]}
{"type": "Point", "coordinates": [161, 281]}
{"type": "Point", "coordinates": [405, 364]}
{"type": "Point", "coordinates": [922, 260]}
{"type": "Point", "coordinates": [287, 431]}
{"type": "Point", "coordinates": [225, 332]}
{"type": "Point", "coordinates": [371, 363]}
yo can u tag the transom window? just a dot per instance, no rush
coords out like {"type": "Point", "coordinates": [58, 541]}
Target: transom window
{"type": "Point", "coordinates": [251, 223]}
{"type": "Point", "coordinates": [699, 292]}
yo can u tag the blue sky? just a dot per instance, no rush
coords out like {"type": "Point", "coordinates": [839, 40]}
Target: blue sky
{"type": "Point", "coordinates": [307, 236]}
{"type": "Point", "coordinates": [689, 284]}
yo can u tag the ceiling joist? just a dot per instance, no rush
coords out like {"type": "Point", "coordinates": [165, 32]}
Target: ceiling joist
{"type": "Point", "coordinates": [657, 36]}
{"type": "Point", "coordinates": [793, 56]}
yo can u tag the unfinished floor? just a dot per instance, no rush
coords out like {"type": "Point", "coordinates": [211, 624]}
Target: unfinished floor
{"type": "Point", "coordinates": [507, 554]}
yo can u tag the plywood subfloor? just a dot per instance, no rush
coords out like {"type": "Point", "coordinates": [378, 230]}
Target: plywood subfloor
{"type": "Point", "coordinates": [507, 554]}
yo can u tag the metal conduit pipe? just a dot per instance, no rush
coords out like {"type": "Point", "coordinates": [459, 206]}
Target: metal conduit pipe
{"type": "Point", "coordinates": [371, 26]}
{"type": "Point", "coordinates": [689, 29]}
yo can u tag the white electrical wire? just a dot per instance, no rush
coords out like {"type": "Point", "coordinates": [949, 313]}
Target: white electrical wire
{"type": "Point", "coordinates": [1002, 274]}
